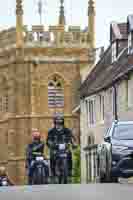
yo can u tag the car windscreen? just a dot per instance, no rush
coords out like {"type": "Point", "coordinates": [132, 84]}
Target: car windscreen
{"type": "Point", "coordinates": [123, 132]}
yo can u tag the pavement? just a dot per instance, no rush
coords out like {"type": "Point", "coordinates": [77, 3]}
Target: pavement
{"type": "Point", "coordinates": [69, 192]}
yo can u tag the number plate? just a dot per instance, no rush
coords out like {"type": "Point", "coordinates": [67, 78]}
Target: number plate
{"type": "Point", "coordinates": [39, 158]}
{"type": "Point", "coordinates": [4, 183]}
{"type": "Point", "coordinates": [45, 162]}
{"type": "Point", "coordinates": [62, 146]}
{"type": "Point", "coordinates": [63, 155]}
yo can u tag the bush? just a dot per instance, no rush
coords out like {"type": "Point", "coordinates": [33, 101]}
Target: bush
{"type": "Point", "coordinates": [76, 172]}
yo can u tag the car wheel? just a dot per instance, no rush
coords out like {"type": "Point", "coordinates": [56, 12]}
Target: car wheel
{"type": "Point", "coordinates": [109, 178]}
{"type": "Point", "coordinates": [104, 175]}
{"type": "Point", "coordinates": [102, 179]}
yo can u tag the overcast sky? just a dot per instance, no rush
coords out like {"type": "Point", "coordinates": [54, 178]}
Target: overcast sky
{"type": "Point", "coordinates": [76, 14]}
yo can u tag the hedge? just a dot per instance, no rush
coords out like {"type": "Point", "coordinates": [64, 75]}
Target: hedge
{"type": "Point", "coordinates": [76, 172]}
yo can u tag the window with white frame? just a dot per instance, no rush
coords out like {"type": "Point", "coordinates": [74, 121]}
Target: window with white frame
{"type": "Point", "coordinates": [113, 101]}
{"type": "Point", "coordinates": [130, 42]}
{"type": "Point", "coordinates": [126, 93]}
{"type": "Point", "coordinates": [91, 111]}
{"type": "Point", "coordinates": [102, 102]}
{"type": "Point", "coordinates": [114, 51]}
{"type": "Point", "coordinates": [87, 112]}
{"type": "Point", "coordinates": [130, 91]}
{"type": "Point", "coordinates": [116, 99]}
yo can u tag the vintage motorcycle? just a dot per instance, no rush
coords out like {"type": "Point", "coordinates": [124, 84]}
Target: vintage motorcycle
{"type": "Point", "coordinates": [61, 161]}
{"type": "Point", "coordinates": [4, 182]}
{"type": "Point", "coordinates": [41, 171]}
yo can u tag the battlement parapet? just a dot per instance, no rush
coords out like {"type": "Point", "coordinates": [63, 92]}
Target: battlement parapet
{"type": "Point", "coordinates": [51, 36]}
{"type": "Point", "coordinates": [7, 37]}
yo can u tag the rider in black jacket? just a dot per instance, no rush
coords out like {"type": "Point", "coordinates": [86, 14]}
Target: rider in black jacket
{"type": "Point", "coordinates": [55, 134]}
{"type": "Point", "coordinates": [33, 149]}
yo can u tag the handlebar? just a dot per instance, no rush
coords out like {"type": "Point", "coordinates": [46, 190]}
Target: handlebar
{"type": "Point", "coordinates": [37, 153]}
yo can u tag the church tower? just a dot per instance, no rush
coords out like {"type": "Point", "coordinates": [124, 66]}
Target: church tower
{"type": "Point", "coordinates": [40, 74]}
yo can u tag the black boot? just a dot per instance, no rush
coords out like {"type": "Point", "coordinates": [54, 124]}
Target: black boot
{"type": "Point", "coordinates": [30, 180]}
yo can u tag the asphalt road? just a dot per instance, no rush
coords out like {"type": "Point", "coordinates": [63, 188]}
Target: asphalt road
{"type": "Point", "coordinates": [69, 192]}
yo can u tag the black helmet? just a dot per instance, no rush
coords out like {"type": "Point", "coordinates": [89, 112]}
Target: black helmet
{"type": "Point", "coordinates": [59, 119]}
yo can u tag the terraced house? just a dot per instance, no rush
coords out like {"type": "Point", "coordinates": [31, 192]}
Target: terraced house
{"type": "Point", "coordinates": [107, 92]}
{"type": "Point", "coordinates": [40, 73]}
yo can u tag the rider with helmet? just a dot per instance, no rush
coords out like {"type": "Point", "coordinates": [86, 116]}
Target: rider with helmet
{"type": "Point", "coordinates": [57, 131]}
{"type": "Point", "coordinates": [33, 149]}
{"type": "Point", "coordinates": [4, 177]}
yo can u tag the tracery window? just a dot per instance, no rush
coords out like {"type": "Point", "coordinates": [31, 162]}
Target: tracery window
{"type": "Point", "coordinates": [55, 93]}
{"type": "Point", "coordinates": [4, 99]}
{"type": "Point", "coordinates": [3, 103]}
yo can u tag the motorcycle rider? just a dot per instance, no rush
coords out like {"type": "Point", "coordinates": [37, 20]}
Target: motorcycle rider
{"type": "Point", "coordinates": [56, 132]}
{"type": "Point", "coordinates": [33, 149]}
{"type": "Point", "coordinates": [4, 176]}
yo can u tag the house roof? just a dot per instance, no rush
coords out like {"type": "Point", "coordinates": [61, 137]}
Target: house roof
{"type": "Point", "coordinates": [105, 60]}
{"type": "Point", "coordinates": [105, 74]}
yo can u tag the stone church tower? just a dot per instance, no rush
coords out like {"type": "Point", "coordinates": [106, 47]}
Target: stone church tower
{"type": "Point", "coordinates": [40, 74]}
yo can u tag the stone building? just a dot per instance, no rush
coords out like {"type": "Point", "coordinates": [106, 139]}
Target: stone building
{"type": "Point", "coordinates": [107, 92]}
{"type": "Point", "coordinates": [40, 74]}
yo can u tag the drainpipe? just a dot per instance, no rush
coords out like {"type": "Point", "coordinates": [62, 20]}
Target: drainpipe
{"type": "Point", "coordinates": [115, 102]}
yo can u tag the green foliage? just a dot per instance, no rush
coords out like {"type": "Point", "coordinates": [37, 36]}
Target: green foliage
{"type": "Point", "coordinates": [76, 166]}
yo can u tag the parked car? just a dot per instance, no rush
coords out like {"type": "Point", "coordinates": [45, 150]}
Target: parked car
{"type": "Point", "coordinates": [115, 153]}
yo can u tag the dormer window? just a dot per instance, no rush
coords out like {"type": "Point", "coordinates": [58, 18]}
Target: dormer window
{"type": "Point", "coordinates": [114, 51]}
{"type": "Point", "coordinates": [130, 33]}
{"type": "Point", "coordinates": [130, 42]}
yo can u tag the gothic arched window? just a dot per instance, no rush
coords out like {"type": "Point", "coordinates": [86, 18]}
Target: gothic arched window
{"type": "Point", "coordinates": [55, 93]}
{"type": "Point", "coordinates": [3, 95]}
{"type": "Point", "coordinates": [3, 103]}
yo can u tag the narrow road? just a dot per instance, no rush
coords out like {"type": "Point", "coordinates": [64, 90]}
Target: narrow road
{"type": "Point", "coordinates": [69, 192]}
